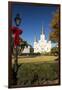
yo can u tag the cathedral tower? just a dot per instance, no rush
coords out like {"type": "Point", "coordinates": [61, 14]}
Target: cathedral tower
{"type": "Point", "coordinates": [42, 45]}
{"type": "Point", "coordinates": [35, 44]}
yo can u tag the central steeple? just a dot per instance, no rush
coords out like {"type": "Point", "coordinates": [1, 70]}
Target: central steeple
{"type": "Point", "coordinates": [42, 35]}
{"type": "Point", "coordinates": [42, 32]}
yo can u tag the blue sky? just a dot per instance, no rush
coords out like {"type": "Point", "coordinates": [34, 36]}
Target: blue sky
{"type": "Point", "coordinates": [33, 17]}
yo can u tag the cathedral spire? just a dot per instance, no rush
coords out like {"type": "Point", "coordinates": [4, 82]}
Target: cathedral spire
{"type": "Point", "coordinates": [42, 30]}
{"type": "Point", "coordinates": [35, 38]}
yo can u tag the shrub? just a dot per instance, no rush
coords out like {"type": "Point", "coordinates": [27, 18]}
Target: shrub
{"type": "Point", "coordinates": [36, 73]}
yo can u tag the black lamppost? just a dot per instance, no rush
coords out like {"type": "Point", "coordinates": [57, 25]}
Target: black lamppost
{"type": "Point", "coordinates": [17, 20]}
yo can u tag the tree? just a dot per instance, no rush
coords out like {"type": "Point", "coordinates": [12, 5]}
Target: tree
{"type": "Point", "coordinates": [55, 50]}
{"type": "Point", "coordinates": [55, 25]}
{"type": "Point", "coordinates": [20, 46]}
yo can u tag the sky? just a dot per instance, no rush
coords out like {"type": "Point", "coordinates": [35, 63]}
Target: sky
{"type": "Point", "coordinates": [33, 17]}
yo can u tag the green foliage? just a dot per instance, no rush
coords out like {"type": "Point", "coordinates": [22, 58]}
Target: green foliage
{"type": "Point", "coordinates": [37, 73]}
{"type": "Point", "coordinates": [55, 50]}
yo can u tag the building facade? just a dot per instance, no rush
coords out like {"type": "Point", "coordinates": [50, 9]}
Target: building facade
{"type": "Point", "coordinates": [42, 45]}
{"type": "Point", "coordinates": [26, 50]}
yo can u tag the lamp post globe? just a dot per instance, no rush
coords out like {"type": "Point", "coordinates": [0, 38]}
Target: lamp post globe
{"type": "Point", "coordinates": [17, 19]}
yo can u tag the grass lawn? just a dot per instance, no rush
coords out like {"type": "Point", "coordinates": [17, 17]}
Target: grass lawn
{"type": "Point", "coordinates": [29, 59]}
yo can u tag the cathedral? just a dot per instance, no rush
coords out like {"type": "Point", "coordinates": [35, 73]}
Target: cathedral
{"type": "Point", "coordinates": [42, 46]}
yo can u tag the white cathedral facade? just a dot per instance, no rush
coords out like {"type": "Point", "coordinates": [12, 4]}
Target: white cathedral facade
{"type": "Point", "coordinates": [42, 45]}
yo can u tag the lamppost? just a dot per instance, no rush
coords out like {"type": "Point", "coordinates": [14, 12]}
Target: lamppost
{"type": "Point", "coordinates": [17, 20]}
{"type": "Point", "coordinates": [16, 32]}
